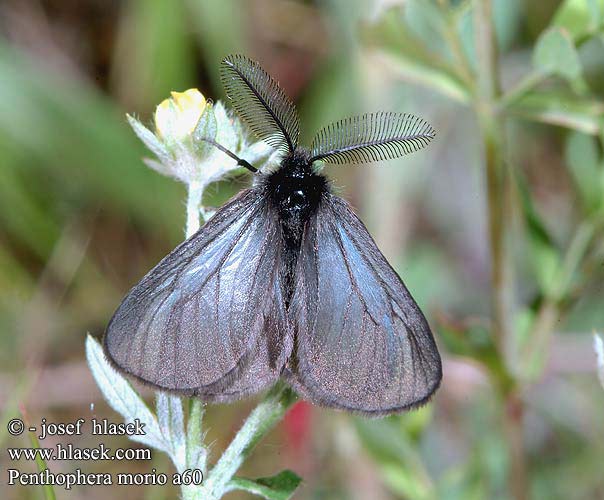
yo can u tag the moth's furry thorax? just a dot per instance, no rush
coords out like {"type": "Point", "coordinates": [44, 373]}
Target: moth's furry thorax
{"type": "Point", "coordinates": [295, 190]}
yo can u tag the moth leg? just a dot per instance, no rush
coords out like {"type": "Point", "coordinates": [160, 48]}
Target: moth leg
{"type": "Point", "coordinates": [240, 161]}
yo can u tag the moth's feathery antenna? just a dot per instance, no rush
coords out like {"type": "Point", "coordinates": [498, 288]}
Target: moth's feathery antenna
{"type": "Point", "coordinates": [240, 161]}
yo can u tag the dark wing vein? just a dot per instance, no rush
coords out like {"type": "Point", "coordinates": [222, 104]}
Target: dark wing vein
{"type": "Point", "coordinates": [362, 342]}
{"type": "Point", "coordinates": [208, 318]}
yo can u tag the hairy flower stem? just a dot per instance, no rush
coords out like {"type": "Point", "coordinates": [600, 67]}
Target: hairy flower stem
{"type": "Point", "coordinates": [493, 133]}
{"type": "Point", "coordinates": [194, 197]}
{"type": "Point", "coordinates": [262, 419]}
{"type": "Point", "coordinates": [195, 408]}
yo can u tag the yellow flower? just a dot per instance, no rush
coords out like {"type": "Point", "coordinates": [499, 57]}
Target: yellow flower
{"type": "Point", "coordinates": [177, 116]}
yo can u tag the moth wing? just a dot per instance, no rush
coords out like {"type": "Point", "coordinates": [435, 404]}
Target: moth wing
{"type": "Point", "coordinates": [362, 343]}
{"type": "Point", "coordinates": [209, 319]}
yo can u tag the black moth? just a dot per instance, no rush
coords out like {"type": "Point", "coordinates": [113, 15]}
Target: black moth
{"type": "Point", "coordinates": [284, 280]}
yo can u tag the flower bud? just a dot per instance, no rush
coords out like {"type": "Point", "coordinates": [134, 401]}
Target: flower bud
{"type": "Point", "coordinates": [177, 117]}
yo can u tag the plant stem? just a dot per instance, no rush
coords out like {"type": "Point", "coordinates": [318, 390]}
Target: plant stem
{"type": "Point", "coordinates": [514, 427]}
{"type": "Point", "coordinates": [525, 85]}
{"type": "Point", "coordinates": [454, 42]}
{"type": "Point", "coordinates": [194, 197]}
{"type": "Point", "coordinates": [500, 268]}
{"type": "Point", "coordinates": [492, 128]}
{"type": "Point", "coordinates": [194, 438]}
{"type": "Point", "coordinates": [259, 422]}
{"type": "Point", "coordinates": [194, 435]}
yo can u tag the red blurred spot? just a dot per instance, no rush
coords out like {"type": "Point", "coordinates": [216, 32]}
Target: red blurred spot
{"type": "Point", "coordinates": [297, 425]}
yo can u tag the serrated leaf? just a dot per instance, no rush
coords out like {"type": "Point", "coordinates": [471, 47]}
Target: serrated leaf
{"type": "Point", "coordinates": [171, 423]}
{"type": "Point", "coordinates": [555, 54]}
{"type": "Point", "coordinates": [149, 139]}
{"type": "Point", "coordinates": [279, 487]}
{"type": "Point", "coordinates": [579, 17]}
{"type": "Point", "coordinates": [583, 160]}
{"type": "Point", "coordinates": [122, 397]}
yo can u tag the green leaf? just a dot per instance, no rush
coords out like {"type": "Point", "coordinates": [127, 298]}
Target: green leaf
{"type": "Point", "coordinates": [427, 22]}
{"type": "Point", "coordinates": [171, 423]}
{"type": "Point", "coordinates": [206, 128]}
{"type": "Point", "coordinates": [403, 482]}
{"type": "Point", "coordinates": [529, 361]}
{"type": "Point", "coordinates": [536, 226]}
{"type": "Point", "coordinates": [508, 21]}
{"type": "Point", "coordinates": [149, 139]}
{"type": "Point", "coordinates": [473, 339]}
{"type": "Point", "coordinates": [562, 109]}
{"type": "Point", "coordinates": [583, 160]}
{"type": "Point", "coordinates": [393, 448]}
{"type": "Point", "coordinates": [122, 397]}
{"type": "Point", "coordinates": [279, 487]}
{"type": "Point", "coordinates": [555, 54]}
{"type": "Point", "coordinates": [546, 263]}
{"type": "Point", "coordinates": [49, 492]}
{"type": "Point", "coordinates": [229, 129]}
{"type": "Point", "coordinates": [579, 17]}
{"type": "Point", "coordinates": [197, 454]}
{"type": "Point", "coordinates": [407, 55]}
{"type": "Point", "coordinates": [544, 255]}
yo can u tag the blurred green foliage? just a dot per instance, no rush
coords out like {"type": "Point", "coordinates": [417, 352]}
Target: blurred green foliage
{"type": "Point", "coordinates": [520, 414]}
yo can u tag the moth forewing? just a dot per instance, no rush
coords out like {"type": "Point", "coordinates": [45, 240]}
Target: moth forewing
{"type": "Point", "coordinates": [196, 324]}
